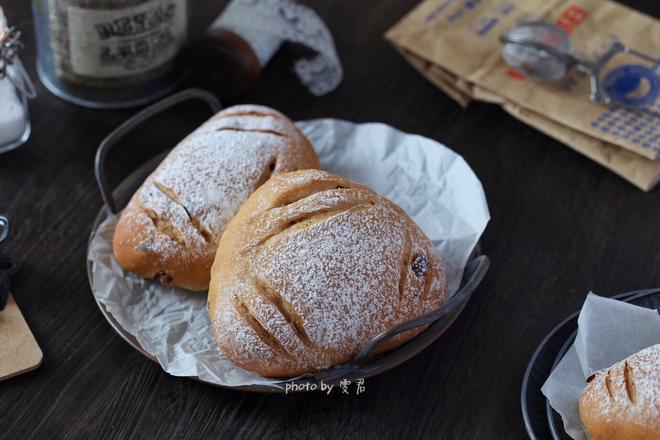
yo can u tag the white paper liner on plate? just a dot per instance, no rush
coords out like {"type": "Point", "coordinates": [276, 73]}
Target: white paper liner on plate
{"type": "Point", "coordinates": [608, 332]}
{"type": "Point", "coordinates": [432, 183]}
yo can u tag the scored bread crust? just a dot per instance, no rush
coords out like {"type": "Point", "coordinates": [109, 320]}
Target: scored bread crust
{"type": "Point", "coordinates": [623, 402]}
{"type": "Point", "coordinates": [172, 225]}
{"type": "Point", "coordinates": [312, 268]}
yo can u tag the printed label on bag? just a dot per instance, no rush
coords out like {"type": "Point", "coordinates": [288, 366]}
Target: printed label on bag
{"type": "Point", "coordinates": [128, 41]}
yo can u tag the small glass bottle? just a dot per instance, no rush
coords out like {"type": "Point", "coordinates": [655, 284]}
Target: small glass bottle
{"type": "Point", "coordinates": [15, 89]}
{"type": "Point", "coordinates": [229, 57]}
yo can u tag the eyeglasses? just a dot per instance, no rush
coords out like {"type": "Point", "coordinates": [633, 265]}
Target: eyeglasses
{"type": "Point", "coordinates": [619, 75]}
{"type": "Point", "coordinates": [8, 265]}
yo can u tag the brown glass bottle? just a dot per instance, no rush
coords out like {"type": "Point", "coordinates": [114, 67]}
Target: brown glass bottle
{"type": "Point", "coordinates": [223, 62]}
{"type": "Point", "coordinates": [235, 48]}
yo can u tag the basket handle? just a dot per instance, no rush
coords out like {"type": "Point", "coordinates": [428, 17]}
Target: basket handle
{"type": "Point", "coordinates": [474, 272]}
{"type": "Point", "coordinates": [118, 133]}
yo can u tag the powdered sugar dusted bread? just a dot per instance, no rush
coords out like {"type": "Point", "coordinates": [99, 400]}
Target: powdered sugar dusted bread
{"type": "Point", "coordinates": [623, 402]}
{"type": "Point", "coordinates": [313, 267]}
{"type": "Point", "coordinates": [171, 228]}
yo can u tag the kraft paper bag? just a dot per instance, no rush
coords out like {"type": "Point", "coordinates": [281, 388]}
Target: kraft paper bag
{"type": "Point", "coordinates": [455, 44]}
{"type": "Point", "coordinates": [442, 79]}
{"type": "Point", "coordinates": [443, 32]}
{"type": "Point", "coordinates": [638, 170]}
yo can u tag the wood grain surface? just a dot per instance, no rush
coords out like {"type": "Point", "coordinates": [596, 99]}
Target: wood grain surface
{"type": "Point", "coordinates": [562, 225]}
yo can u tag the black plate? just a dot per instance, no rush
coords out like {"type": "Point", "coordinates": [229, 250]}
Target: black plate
{"type": "Point", "coordinates": [541, 421]}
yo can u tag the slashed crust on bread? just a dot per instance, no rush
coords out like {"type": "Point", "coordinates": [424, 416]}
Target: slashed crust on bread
{"type": "Point", "coordinates": [313, 267]}
{"type": "Point", "coordinates": [171, 228]}
{"type": "Point", "coordinates": [623, 402]}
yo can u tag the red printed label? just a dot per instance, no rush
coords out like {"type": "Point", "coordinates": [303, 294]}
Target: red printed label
{"type": "Point", "coordinates": [571, 18]}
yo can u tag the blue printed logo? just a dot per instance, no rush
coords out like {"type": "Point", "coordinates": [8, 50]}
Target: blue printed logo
{"type": "Point", "coordinates": [632, 85]}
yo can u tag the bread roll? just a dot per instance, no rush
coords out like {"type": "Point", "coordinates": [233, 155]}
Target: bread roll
{"type": "Point", "coordinates": [312, 268]}
{"type": "Point", "coordinates": [171, 228]}
{"type": "Point", "coordinates": [623, 402]}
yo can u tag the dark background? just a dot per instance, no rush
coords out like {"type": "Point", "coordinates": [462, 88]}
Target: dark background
{"type": "Point", "coordinates": [561, 226]}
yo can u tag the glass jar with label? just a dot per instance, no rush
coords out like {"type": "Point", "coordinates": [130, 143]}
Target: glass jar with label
{"type": "Point", "coordinates": [15, 89]}
{"type": "Point", "coordinates": [110, 53]}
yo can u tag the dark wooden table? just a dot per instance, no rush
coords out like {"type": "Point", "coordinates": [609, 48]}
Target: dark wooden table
{"type": "Point", "coordinates": [561, 226]}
